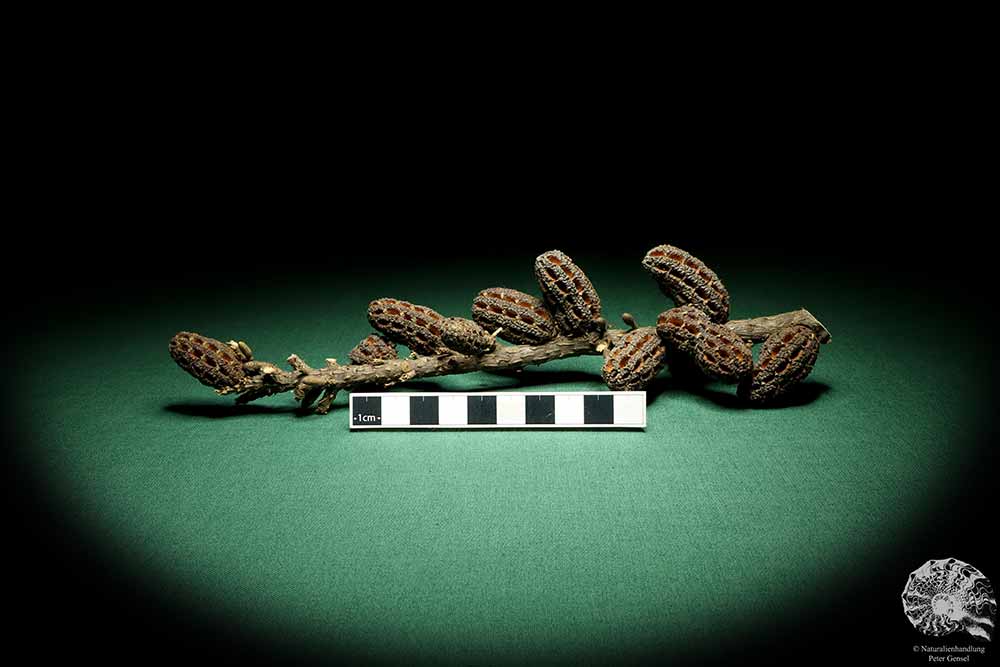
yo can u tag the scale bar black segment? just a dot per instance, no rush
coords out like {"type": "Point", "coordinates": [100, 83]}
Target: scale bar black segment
{"type": "Point", "coordinates": [366, 410]}
{"type": "Point", "coordinates": [599, 409]}
{"type": "Point", "coordinates": [482, 410]}
{"type": "Point", "coordinates": [423, 410]}
{"type": "Point", "coordinates": [540, 409]}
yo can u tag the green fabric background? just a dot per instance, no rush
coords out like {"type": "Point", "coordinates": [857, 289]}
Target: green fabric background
{"type": "Point", "coordinates": [471, 545]}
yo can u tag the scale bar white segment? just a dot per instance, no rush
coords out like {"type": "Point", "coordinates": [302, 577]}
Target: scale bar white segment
{"type": "Point", "coordinates": [630, 409]}
{"type": "Point", "coordinates": [569, 409]}
{"type": "Point", "coordinates": [453, 410]}
{"type": "Point", "coordinates": [510, 409]}
{"type": "Point", "coordinates": [395, 410]}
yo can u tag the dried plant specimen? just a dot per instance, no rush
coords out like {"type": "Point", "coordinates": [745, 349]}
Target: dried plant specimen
{"type": "Point", "coordinates": [211, 362]}
{"type": "Point", "coordinates": [686, 279]}
{"type": "Point", "coordinates": [785, 359]}
{"type": "Point", "coordinates": [416, 327]}
{"type": "Point", "coordinates": [373, 349]}
{"type": "Point", "coordinates": [723, 355]}
{"type": "Point", "coordinates": [522, 319]}
{"type": "Point", "coordinates": [569, 293]}
{"type": "Point", "coordinates": [466, 336]}
{"type": "Point", "coordinates": [634, 360]}
{"type": "Point", "coordinates": [684, 335]}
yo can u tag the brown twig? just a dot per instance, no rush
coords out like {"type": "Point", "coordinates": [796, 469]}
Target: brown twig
{"type": "Point", "coordinates": [310, 384]}
{"type": "Point", "coordinates": [759, 328]}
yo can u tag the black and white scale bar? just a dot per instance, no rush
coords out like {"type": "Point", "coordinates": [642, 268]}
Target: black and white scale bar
{"type": "Point", "coordinates": [583, 409]}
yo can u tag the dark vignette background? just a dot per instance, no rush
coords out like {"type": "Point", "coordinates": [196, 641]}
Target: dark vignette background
{"type": "Point", "coordinates": [833, 188]}
{"type": "Point", "coordinates": [65, 584]}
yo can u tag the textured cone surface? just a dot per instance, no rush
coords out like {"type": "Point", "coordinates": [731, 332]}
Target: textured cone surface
{"type": "Point", "coordinates": [416, 327]}
{"type": "Point", "coordinates": [785, 359]}
{"type": "Point", "coordinates": [633, 363]}
{"type": "Point", "coordinates": [685, 279]}
{"type": "Point", "coordinates": [721, 354]}
{"type": "Point", "coordinates": [524, 318]}
{"type": "Point", "coordinates": [371, 349]}
{"type": "Point", "coordinates": [466, 336]}
{"type": "Point", "coordinates": [568, 291]}
{"type": "Point", "coordinates": [211, 362]}
{"type": "Point", "coordinates": [681, 328]}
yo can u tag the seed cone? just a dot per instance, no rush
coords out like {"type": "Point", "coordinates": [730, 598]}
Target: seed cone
{"type": "Point", "coordinates": [416, 327]}
{"type": "Point", "coordinates": [211, 362]}
{"type": "Point", "coordinates": [522, 318]}
{"type": "Point", "coordinates": [568, 292]}
{"type": "Point", "coordinates": [686, 279]}
{"type": "Point", "coordinates": [721, 354]}
{"type": "Point", "coordinates": [785, 359]}
{"type": "Point", "coordinates": [634, 361]}
{"type": "Point", "coordinates": [371, 349]}
{"type": "Point", "coordinates": [681, 328]}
